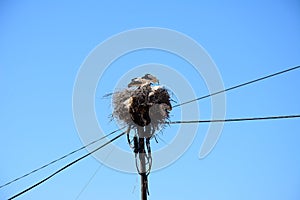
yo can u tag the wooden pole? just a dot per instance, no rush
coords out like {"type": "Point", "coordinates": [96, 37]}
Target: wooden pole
{"type": "Point", "coordinates": [144, 181]}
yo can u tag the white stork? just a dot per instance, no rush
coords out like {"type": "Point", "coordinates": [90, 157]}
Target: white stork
{"type": "Point", "coordinates": [141, 81]}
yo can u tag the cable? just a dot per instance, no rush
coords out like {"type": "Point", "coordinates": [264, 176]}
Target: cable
{"type": "Point", "coordinates": [235, 119]}
{"type": "Point", "coordinates": [89, 181]}
{"type": "Point", "coordinates": [66, 166]}
{"type": "Point", "coordinates": [237, 86]}
{"type": "Point", "coordinates": [58, 159]}
{"type": "Point", "coordinates": [174, 122]}
{"type": "Point", "coordinates": [93, 176]}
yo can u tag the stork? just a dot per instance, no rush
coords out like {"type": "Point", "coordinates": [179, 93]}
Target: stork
{"type": "Point", "coordinates": [141, 81]}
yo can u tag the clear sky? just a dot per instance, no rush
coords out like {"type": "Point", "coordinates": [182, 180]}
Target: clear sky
{"type": "Point", "coordinates": [43, 45]}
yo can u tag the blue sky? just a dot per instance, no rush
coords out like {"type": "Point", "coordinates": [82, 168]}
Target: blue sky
{"type": "Point", "coordinates": [44, 44]}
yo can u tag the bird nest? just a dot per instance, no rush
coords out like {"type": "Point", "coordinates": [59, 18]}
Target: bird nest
{"type": "Point", "coordinates": [144, 105]}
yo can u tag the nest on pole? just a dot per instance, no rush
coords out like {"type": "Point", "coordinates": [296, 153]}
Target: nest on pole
{"type": "Point", "coordinates": [142, 104]}
{"type": "Point", "coordinates": [144, 107]}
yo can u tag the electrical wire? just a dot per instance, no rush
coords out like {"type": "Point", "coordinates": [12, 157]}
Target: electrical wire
{"type": "Point", "coordinates": [94, 174]}
{"type": "Point", "coordinates": [237, 86]}
{"type": "Point", "coordinates": [235, 119]}
{"type": "Point", "coordinates": [66, 166]}
{"type": "Point", "coordinates": [173, 122]}
{"type": "Point", "coordinates": [58, 159]}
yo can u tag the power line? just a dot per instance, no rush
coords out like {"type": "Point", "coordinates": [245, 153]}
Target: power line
{"type": "Point", "coordinates": [93, 176]}
{"type": "Point", "coordinates": [174, 122]}
{"type": "Point", "coordinates": [235, 119]}
{"type": "Point", "coordinates": [58, 159]}
{"type": "Point", "coordinates": [237, 86]}
{"type": "Point", "coordinates": [89, 181]}
{"type": "Point", "coordinates": [67, 166]}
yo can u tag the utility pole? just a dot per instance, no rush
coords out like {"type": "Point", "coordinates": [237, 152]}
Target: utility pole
{"type": "Point", "coordinates": [144, 107]}
{"type": "Point", "coordinates": [144, 179]}
{"type": "Point", "coordinates": [144, 158]}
